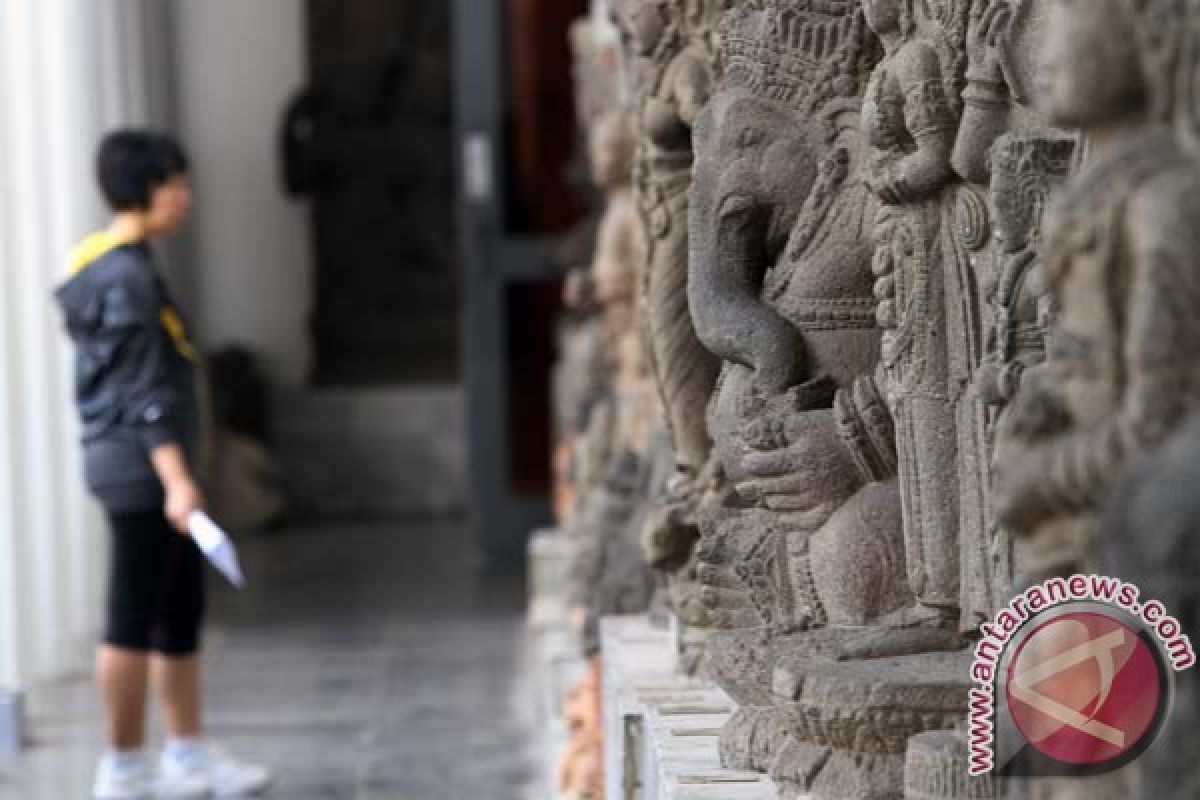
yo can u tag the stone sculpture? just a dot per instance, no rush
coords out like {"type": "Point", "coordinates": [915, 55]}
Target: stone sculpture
{"type": "Point", "coordinates": [842, 192]}
{"type": "Point", "coordinates": [928, 304]}
{"type": "Point", "coordinates": [1119, 248]}
{"type": "Point", "coordinates": [610, 385]}
{"type": "Point", "coordinates": [781, 290]}
{"type": "Point", "coordinates": [1027, 170]}
{"type": "Point", "coordinates": [1148, 536]}
{"type": "Point", "coordinates": [1119, 381]}
{"type": "Point", "coordinates": [671, 46]}
{"type": "Point", "coordinates": [876, 370]}
{"type": "Point", "coordinates": [609, 574]}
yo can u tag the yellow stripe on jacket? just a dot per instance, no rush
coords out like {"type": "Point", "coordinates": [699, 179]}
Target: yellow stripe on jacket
{"type": "Point", "coordinates": [174, 325]}
{"type": "Point", "coordinates": [94, 247]}
{"type": "Point", "coordinates": [97, 245]}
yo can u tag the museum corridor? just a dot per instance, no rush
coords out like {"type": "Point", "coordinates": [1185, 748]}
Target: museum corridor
{"type": "Point", "coordinates": [364, 662]}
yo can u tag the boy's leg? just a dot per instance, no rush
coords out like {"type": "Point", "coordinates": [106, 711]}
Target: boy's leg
{"type": "Point", "coordinates": [175, 666]}
{"type": "Point", "coordinates": [177, 685]}
{"type": "Point", "coordinates": [122, 676]}
{"type": "Point", "coordinates": [122, 661]}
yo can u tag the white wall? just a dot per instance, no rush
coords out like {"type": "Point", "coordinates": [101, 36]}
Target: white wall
{"type": "Point", "coordinates": [237, 63]}
{"type": "Point", "coordinates": [69, 70]}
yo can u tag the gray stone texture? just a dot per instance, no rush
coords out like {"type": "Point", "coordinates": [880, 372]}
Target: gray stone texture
{"type": "Point", "coordinates": [946, 290]}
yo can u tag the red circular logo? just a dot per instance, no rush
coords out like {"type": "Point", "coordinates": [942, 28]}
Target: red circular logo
{"type": "Point", "coordinates": [1085, 689]}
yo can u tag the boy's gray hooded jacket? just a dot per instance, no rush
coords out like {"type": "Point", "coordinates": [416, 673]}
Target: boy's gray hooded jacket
{"type": "Point", "coordinates": [134, 370]}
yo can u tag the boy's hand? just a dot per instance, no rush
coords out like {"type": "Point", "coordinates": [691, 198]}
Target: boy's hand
{"type": "Point", "coordinates": [183, 497]}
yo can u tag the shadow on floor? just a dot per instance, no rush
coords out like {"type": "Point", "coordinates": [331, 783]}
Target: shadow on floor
{"type": "Point", "coordinates": [365, 662]}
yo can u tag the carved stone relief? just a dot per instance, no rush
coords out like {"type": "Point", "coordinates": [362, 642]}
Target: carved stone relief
{"type": "Point", "coordinates": [898, 323]}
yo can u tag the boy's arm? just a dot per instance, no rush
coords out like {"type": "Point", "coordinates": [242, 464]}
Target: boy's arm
{"type": "Point", "coordinates": [182, 495]}
{"type": "Point", "coordinates": [131, 316]}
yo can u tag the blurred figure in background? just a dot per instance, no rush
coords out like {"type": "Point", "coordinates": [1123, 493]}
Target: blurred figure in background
{"type": "Point", "coordinates": [136, 396]}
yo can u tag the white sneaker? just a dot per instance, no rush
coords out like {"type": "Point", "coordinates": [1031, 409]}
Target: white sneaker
{"type": "Point", "coordinates": [123, 778]}
{"type": "Point", "coordinates": [210, 769]}
{"type": "Point", "coordinates": [180, 784]}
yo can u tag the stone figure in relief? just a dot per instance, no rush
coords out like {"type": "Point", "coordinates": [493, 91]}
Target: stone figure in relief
{"type": "Point", "coordinates": [780, 288]}
{"type": "Point", "coordinates": [672, 52]}
{"type": "Point", "coordinates": [1026, 172]}
{"type": "Point", "coordinates": [1124, 351]}
{"type": "Point", "coordinates": [609, 576]}
{"type": "Point", "coordinates": [929, 308]}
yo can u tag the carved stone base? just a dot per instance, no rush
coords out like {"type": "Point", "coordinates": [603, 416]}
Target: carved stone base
{"type": "Point", "coordinates": [690, 644]}
{"type": "Point", "coordinates": [935, 768]}
{"type": "Point", "coordinates": [862, 713]}
{"type": "Point", "coordinates": [740, 663]}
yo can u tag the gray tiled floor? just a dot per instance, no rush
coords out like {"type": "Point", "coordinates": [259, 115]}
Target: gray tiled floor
{"type": "Point", "coordinates": [367, 662]}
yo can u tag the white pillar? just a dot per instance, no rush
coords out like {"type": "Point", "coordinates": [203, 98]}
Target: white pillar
{"type": "Point", "coordinates": [69, 70]}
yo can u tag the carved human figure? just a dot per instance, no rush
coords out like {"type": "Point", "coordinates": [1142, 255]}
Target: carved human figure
{"type": "Point", "coordinates": [929, 301]}
{"type": "Point", "coordinates": [1124, 365]}
{"type": "Point", "coordinates": [1026, 171]}
{"type": "Point", "coordinates": [628, 417]}
{"type": "Point", "coordinates": [673, 75]}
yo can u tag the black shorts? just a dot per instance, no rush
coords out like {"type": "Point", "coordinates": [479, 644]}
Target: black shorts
{"type": "Point", "coordinates": [155, 586]}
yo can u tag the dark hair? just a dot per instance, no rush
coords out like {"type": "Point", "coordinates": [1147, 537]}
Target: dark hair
{"type": "Point", "coordinates": [131, 164]}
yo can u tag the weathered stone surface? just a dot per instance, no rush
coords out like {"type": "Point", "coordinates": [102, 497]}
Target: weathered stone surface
{"type": "Point", "coordinates": [1115, 261]}
{"type": "Point", "coordinates": [1148, 536]}
{"type": "Point", "coordinates": [851, 721]}
{"type": "Point", "coordinates": [869, 182]}
{"type": "Point", "coordinates": [671, 46]}
{"type": "Point", "coordinates": [935, 768]}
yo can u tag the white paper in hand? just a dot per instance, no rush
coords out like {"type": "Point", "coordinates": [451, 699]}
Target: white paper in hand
{"type": "Point", "coordinates": [216, 546]}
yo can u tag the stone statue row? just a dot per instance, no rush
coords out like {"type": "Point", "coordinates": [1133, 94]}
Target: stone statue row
{"type": "Point", "coordinates": [889, 297]}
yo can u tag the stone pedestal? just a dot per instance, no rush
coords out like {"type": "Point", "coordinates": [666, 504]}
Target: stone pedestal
{"type": "Point", "coordinates": [935, 768]}
{"type": "Point", "coordinates": [682, 761]}
{"type": "Point", "coordinates": [661, 727]}
{"type": "Point", "coordinates": [556, 653]}
{"type": "Point", "coordinates": [846, 725]}
{"type": "Point", "coordinates": [639, 668]}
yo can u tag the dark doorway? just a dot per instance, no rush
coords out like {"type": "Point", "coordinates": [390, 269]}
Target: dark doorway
{"type": "Point", "coordinates": [371, 141]}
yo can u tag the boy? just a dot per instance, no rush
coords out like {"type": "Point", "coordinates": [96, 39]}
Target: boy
{"type": "Point", "coordinates": [135, 392]}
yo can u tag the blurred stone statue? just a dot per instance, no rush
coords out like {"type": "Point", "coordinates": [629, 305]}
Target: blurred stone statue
{"type": "Point", "coordinates": [1150, 536]}
{"type": "Point", "coordinates": [670, 46]}
{"type": "Point", "coordinates": [1120, 245]}
{"type": "Point", "coordinates": [1120, 379]}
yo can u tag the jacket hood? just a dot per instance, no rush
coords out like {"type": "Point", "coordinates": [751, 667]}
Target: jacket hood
{"type": "Point", "coordinates": [77, 296]}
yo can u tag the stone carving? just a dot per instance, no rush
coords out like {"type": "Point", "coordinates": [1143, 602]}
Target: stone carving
{"type": "Point", "coordinates": [1027, 170]}
{"type": "Point", "coordinates": [671, 44]}
{"type": "Point", "coordinates": [781, 291]}
{"type": "Point", "coordinates": [1119, 379]}
{"type": "Point", "coordinates": [841, 246]}
{"type": "Point", "coordinates": [1148, 536]}
{"type": "Point", "coordinates": [610, 576]}
{"type": "Point", "coordinates": [614, 467]}
{"type": "Point", "coordinates": [866, 272]}
{"type": "Point", "coordinates": [929, 306]}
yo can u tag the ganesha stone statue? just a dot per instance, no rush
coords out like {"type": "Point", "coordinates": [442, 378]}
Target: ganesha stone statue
{"type": "Point", "coordinates": [780, 288]}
